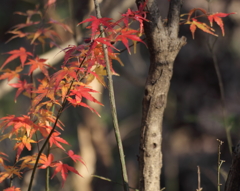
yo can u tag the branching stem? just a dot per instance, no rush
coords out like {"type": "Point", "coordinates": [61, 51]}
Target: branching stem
{"type": "Point", "coordinates": [113, 105]}
{"type": "Point", "coordinates": [52, 131]}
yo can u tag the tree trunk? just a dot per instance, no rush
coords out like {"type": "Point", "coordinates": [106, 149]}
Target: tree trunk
{"type": "Point", "coordinates": [164, 45]}
{"type": "Point", "coordinates": [233, 180]}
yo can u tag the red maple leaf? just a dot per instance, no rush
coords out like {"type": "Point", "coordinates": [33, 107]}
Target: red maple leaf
{"type": "Point", "coordinates": [38, 63]}
{"type": "Point", "coordinates": [82, 91]}
{"type": "Point", "coordinates": [96, 22]}
{"type": "Point", "coordinates": [20, 124]}
{"type": "Point", "coordinates": [54, 139]}
{"type": "Point", "coordinates": [129, 34]}
{"type": "Point", "coordinates": [22, 85]}
{"type": "Point", "coordinates": [98, 41]}
{"type": "Point", "coordinates": [74, 52]}
{"type": "Point", "coordinates": [75, 157]}
{"type": "Point", "coordinates": [217, 18]}
{"type": "Point", "coordinates": [64, 169]}
{"type": "Point", "coordinates": [139, 15]}
{"type": "Point", "coordinates": [65, 72]}
{"type": "Point", "coordinates": [22, 53]}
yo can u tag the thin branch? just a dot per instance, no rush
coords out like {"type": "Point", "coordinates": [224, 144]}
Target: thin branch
{"type": "Point", "coordinates": [221, 87]}
{"type": "Point", "coordinates": [222, 94]}
{"type": "Point", "coordinates": [220, 162]}
{"type": "Point", "coordinates": [109, 180]}
{"type": "Point", "coordinates": [53, 129]}
{"type": "Point", "coordinates": [199, 179]}
{"type": "Point", "coordinates": [113, 105]}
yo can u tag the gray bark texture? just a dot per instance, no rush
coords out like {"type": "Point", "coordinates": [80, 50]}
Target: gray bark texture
{"type": "Point", "coordinates": [164, 45]}
{"type": "Point", "coordinates": [233, 180]}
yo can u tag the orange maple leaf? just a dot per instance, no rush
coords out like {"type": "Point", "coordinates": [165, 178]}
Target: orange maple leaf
{"type": "Point", "coordinates": [22, 53]}
{"type": "Point", "coordinates": [29, 161]}
{"type": "Point", "coordinates": [46, 33]}
{"type": "Point", "coordinates": [23, 142]}
{"type": "Point", "coordinates": [46, 161]}
{"type": "Point", "coordinates": [64, 26]}
{"type": "Point", "coordinates": [2, 159]}
{"type": "Point", "coordinates": [12, 189]}
{"type": "Point", "coordinates": [194, 24]}
{"type": "Point", "coordinates": [9, 172]}
{"type": "Point", "coordinates": [45, 89]}
{"type": "Point", "coordinates": [30, 13]}
{"type": "Point", "coordinates": [20, 125]}
{"type": "Point", "coordinates": [16, 34]}
{"type": "Point", "coordinates": [217, 18]}
{"type": "Point", "coordinates": [10, 74]}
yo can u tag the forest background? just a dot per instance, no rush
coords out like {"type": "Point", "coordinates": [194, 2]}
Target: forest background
{"type": "Point", "coordinates": [193, 117]}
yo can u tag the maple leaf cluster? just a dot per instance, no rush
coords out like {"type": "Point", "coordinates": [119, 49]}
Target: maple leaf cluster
{"type": "Point", "coordinates": [54, 92]}
{"type": "Point", "coordinates": [195, 23]}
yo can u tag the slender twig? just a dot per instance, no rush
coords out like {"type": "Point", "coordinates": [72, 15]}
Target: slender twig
{"type": "Point", "coordinates": [221, 87]}
{"type": "Point", "coordinates": [222, 94]}
{"type": "Point", "coordinates": [199, 179]}
{"type": "Point", "coordinates": [109, 180]}
{"type": "Point", "coordinates": [47, 171]}
{"type": "Point", "coordinates": [113, 105]}
{"type": "Point", "coordinates": [71, 11]}
{"type": "Point", "coordinates": [220, 162]}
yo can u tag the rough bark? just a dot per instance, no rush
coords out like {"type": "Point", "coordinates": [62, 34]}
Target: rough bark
{"type": "Point", "coordinates": [164, 45]}
{"type": "Point", "coordinates": [233, 180]}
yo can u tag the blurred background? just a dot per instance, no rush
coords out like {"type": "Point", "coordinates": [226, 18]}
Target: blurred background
{"type": "Point", "coordinates": [193, 118]}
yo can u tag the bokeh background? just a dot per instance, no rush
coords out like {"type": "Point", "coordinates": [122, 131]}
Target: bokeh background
{"type": "Point", "coordinates": [193, 118]}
